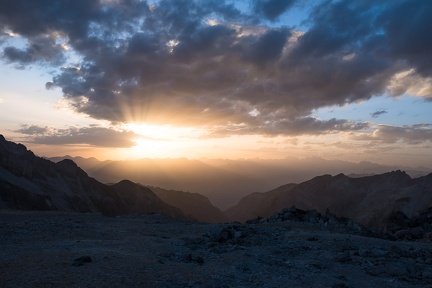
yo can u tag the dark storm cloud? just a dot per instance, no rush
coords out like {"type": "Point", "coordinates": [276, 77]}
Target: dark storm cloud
{"type": "Point", "coordinates": [184, 63]}
{"type": "Point", "coordinates": [93, 136]}
{"type": "Point", "coordinates": [407, 28]}
{"type": "Point", "coordinates": [272, 9]}
{"type": "Point", "coordinates": [376, 114]}
{"type": "Point", "coordinates": [335, 59]}
{"type": "Point", "coordinates": [268, 47]}
{"type": "Point", "coordinates": [40, 49]}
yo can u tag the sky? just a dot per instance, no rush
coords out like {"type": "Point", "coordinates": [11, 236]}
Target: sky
{"type": "Point", "coordinates": [125, 79]}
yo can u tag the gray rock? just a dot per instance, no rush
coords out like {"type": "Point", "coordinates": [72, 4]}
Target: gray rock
{"type": "Point", "coordinates": [379, 252]}
{"type": "Point", "coordinates": [343, 257]}
{"type": "Point", "coordinates": [81, 260]}
{"type": "Point", "coordinates": [193, 257]}
{"type": "Point", "coordinates": [427, 274]}
{"type": "Point", "coordinates": [396, 269]}
{"type": "Point", "coordinates": [340, 285]}
{"type": "Point", "coordinates": [416, 233]}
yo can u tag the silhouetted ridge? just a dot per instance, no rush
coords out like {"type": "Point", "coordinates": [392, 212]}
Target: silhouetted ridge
{"type": "Point", "coordinates": [139, 199]}
{"type": "Point", "coordinates": [194, 205]}
{"type": "Point", "coordinates": [32, 183]}
{"type": "Point", "coordinates": [70, 167]}
{"type": "Point", "coordinates": [125, 183]}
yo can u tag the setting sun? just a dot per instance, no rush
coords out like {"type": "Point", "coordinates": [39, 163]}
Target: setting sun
{"type": "Point", "coordinates": [159, 141]}
{"type": "Point", "coordinates": [152, 148]}
{"type": "Point", "coordinates": [162, 132]}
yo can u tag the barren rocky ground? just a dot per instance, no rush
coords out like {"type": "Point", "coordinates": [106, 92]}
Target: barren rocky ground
{"type": "Point", "coordinates": [59, 249]}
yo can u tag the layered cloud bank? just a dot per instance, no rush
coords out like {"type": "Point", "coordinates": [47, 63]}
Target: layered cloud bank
{"type": "Point", "coordinates": [227, 67]}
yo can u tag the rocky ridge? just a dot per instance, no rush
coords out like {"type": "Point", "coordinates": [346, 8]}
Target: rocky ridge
{"type": "Point", "coordinates": [398, 227]}
{"type": "Point", "coordinates": [367, 200]}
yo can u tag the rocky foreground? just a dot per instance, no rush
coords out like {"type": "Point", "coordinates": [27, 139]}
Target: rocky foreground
{"type": "Point", "coordinates": [60, 249]}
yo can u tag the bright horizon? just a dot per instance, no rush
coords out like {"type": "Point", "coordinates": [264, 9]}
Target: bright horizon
{"type": "Point", "coordinates": [229, 79]}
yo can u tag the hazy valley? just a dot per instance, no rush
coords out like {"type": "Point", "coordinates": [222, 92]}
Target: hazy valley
{"type": "Point", "coordinates": [225, 182]}
{"type": "Point", "coordinates": [33, 183]}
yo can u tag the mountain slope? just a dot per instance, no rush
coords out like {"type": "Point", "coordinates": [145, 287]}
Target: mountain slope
{"type": "Point", "coordinates": [258, 204]}
{"type": "Point", "coordinates": [368, 200]}
{"type": "Point", "coordinates": [140, 199]}
{"type": "Point", "coordinates": [31, 183]}
{"type": "Point", "coordinates": [193, 205]}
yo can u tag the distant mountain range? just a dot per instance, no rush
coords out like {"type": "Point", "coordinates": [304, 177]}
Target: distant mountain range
{"type": "Point", "coordinates": [29, 182]}
{"type": "Point", "coordinates": [223, 181]}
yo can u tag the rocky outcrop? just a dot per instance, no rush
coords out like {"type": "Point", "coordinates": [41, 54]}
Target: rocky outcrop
{"type": "Point", "coordinates": [28, 182]}
{"type": "Point", "coordinates": [312, 218]}
{"type": "Point", "coordinates": [399, 226]}
{"type": "Point", "coordinates": [396, 227]}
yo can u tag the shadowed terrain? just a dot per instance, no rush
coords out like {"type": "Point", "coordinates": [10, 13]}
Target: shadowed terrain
{"type": "Point", "coordinates": [59, 249]}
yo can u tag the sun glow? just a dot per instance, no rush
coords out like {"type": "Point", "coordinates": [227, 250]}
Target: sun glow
{"type": "Point", "coordinates": [160, 141]}
{"type": "Point", "coordinates": [162, 132]}
{"type": "Point", "coordinates": [146, 148]}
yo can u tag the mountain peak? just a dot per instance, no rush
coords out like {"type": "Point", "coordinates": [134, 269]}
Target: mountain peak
{"type": "Point", "coordinates": [125, 182]}
{"type": "Point", "coordinates": [69, 166]}
{"type": "Point", "coordinates": [400, 172]}
{"type": "Point", "coordinates": [340, 175]}
{"type": "Point", "coordinates": [400, 175]}
{"type": "Point", "coordinates": [68, 162]}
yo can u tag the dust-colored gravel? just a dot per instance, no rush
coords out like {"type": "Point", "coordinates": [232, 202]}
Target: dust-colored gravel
{"type": "Point", "coordinates": [57, 249]}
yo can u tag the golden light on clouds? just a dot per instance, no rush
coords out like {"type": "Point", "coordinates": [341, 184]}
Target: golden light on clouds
{"type": "Point", "coordinates": [139, 79]}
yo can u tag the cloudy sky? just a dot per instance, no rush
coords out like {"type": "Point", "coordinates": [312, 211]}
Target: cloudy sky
{"type": "Point", "coordinates": [116, 79]}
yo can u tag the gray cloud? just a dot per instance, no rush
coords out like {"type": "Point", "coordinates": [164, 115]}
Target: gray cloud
{"type": "Point", "coordinates": [376, 114]}
{"type": "Point", "coordinates": [41, 49]}
{"type": "Point", "coordinates": [407, 37]}
{"type": "Point", "coordinates": [272, 9]}
{"type": "Point", "coordinates": [300, 126]}
{"type": "Point", "coordinates": [183, 63]}
{"type": "Point", "coordinates": [414, 134]}
{"type": "Point", "coordinates": [93, 136]}
{"type": "Point", "coordinates": [32, 130]}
